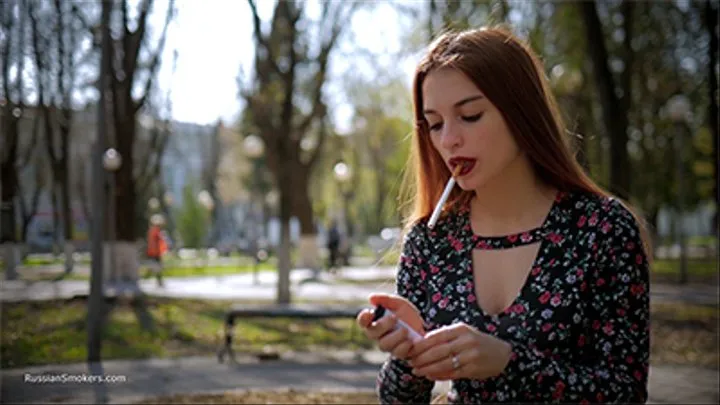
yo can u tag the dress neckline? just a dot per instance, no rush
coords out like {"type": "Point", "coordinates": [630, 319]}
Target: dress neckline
{"type": "Point", "coordinates": [513, 240]}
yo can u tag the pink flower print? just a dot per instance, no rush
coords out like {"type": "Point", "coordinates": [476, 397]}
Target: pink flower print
{"type": "Point", "coordinates": [629, 360]}
{"type": "Point", "coordinates": [608, 328]}
{"type": "Point", "coordinates": [455, 243]}
{"type": "Point", "coordinates": [600, 282]}
{"type": "Point", "coordinates": [443, 303]}
{"type": "Point", "coordinates": [423, 274]}
{"type": "Point", "coordinates": [525, 237]}
{"type": "Point", "coordinates": [490, 327]}
{"type": "Point", "coordinates": [555, 238]}
{"type": "Point", "coordinates": [593, 219]}
{"type": "Point", "coordinates": [512, 238]}
{"type": "Point", "coordinates": [638, 259]}
{"type": "Point", "coordinates": [436, 297]}
{"type": "Point", "coordinates": [555, 301]}
{"type": "Point", "coordinates": [471, 298]}
{"type": "Point", "coordinates": [518, 309]}
{"type": "Point", "coordinates": [546, 327]}
{"type": "Point", "coordinates": [621, 312]}
{"type": "Point", "coordinates": [630, 245]}
{"type": "Point", "coordinates": [535, 271]}
{"type": "Point", "coordinates": [581, 341]}
{"type": "Point", "coordinates": [434, 269]}
{"type": "Point", "coordinates": [559, 388]}
{"type": "Point", "coordinates": [581, 222]}
{"type": "Point", "coordinates": [579, 273]}
{"type": "Point", "coordinates": [605, 227]}
{"type": "Point", "coordinates": [544, 297]}
{"type": "Point", "coordinates": [637, 289]}
{"type": "Point", "coordinates": [469, 285]}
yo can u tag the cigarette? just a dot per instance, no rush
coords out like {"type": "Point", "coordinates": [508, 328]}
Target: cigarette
{"type": "Point", "coordinates": [443, 198]}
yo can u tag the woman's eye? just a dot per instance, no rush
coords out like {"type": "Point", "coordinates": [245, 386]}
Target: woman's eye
{"type": "Point", "coordinates": [472, 118]}
{"type": "Point", "coordinates": [435, 127]}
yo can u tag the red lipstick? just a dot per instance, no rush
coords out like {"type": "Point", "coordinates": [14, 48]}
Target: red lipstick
{"type": "Point", "coordinates": [467, 164]}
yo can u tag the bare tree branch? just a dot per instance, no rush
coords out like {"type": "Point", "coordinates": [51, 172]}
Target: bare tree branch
{"type": "Point", "coordinates": [155, 64]}
{"type": "Point", "coordinates": [260, 38]}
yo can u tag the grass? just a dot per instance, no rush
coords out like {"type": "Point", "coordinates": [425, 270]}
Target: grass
{"type": "Point", "coordinates": [699, 270]}
{"type": "Point", "coordinates": [31, 274]}
{"type": "Point", "coordinates": [35, 333]}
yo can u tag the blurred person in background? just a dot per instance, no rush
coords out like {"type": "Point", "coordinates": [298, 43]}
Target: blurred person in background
{"type": "Point", "coordinates": [157, 245]}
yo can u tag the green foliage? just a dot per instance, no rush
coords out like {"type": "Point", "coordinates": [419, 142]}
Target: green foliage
{"type": "Point", "coordinates": [193, 220]}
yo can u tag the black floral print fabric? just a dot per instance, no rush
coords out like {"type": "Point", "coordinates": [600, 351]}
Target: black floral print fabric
{"type": "Point", "coordinates": [579, 327]}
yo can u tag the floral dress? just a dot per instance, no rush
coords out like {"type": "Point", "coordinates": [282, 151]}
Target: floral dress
{"type": "Point", "coordinates": [579, 326]}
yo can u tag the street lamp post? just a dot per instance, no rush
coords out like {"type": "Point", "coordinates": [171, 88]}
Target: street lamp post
{"type": "Point", "coordinates": [207, 202]}
{"type": "Point", "coordinates": [678, 108]}
{"type": "Point", "coordinates": [342, 175]}
{"type": "Point", "coordinates": [254, 149]}
{"type": "Point", "coordinates": [112, 160]}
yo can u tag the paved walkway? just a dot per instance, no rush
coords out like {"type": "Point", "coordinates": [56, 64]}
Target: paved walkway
{"type": "Point", "coordinates": [351, 284]}
{"type": "Point", "coordinates": [342, 370]}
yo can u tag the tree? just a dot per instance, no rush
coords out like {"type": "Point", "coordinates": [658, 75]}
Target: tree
{"type": "Point", "coordinates": [12, 105]}
{"type": "Point", "coordinates": [379, 137]}
{"type": "Point", "coordinates": [711, 25]}
{"type": "Point", "coordinates": [57, 31]}
{"type": "Point", "coordinates": [615, 93]}
{"type": "Point", "coordinates": [286, 100]}
{"type": "Point", "coordinates": [131, 81]}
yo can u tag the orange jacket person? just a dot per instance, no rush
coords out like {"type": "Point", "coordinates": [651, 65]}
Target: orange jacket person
{"type": "Point", "coordinates": [156, 244]}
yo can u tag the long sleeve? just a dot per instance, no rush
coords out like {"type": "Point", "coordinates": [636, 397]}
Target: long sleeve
{"type": "Point", "coordinates": [395, 382]}
{"type": "Point", "coordinates": [617, 340]}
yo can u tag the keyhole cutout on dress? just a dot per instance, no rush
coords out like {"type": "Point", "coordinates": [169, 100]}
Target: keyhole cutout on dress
{"type": "Point", "coordinates": [500, 275]}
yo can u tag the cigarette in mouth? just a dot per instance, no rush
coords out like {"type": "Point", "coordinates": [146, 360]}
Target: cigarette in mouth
{"type": "Point", "coordinates": [444, 196]}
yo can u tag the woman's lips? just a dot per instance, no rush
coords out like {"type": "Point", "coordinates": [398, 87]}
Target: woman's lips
{"type": "Point", "coordinates": [467, 164]}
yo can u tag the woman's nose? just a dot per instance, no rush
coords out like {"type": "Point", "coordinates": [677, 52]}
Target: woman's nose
{"type": "Point", "coordinates": [451, 138]}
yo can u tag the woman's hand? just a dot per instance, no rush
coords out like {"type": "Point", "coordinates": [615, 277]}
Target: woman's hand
{"type": "Point", "coordinates": [459, 351]}
{"type": "Point", "coordinates": [397, 342]}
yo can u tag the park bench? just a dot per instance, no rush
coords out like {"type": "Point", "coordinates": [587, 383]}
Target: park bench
{"type": "Point", "coordinates": [294, 311]}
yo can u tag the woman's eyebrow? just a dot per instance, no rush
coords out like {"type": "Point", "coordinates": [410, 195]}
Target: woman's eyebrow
{"type": "Point", "coordinates": [458, 104]}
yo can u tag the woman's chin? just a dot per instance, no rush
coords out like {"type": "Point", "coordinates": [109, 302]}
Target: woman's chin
{"type": "Point", "coordinates": [466, 185]}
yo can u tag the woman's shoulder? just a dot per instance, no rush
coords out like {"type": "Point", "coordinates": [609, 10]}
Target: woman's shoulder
{"type": "Point", "coordinates": [607, 211]}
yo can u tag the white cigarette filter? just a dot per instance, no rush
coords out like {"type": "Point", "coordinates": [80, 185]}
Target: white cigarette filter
{"type": "Point", "coordinates": [443, 198]}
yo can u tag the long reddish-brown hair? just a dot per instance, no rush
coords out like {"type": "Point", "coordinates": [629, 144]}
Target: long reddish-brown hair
{"type": "Point", "coordinates": [512, 77]}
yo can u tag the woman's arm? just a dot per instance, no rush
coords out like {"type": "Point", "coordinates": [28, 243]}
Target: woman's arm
{"type": "Point", "coordinates": [396, 382]}
{"type": "Point", "coordinates": [618, 335]}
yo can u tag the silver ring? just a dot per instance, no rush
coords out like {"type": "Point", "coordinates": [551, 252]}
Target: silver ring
{"type": "Point", "coordinates": [455, 362]}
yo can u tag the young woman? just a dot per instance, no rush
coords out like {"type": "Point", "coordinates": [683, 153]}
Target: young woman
{"type": "Point", "coordinates": [533, 285]}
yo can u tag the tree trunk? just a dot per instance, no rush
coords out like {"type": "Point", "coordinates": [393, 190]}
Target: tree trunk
{"type": "Point", "coordinates": [7, 205]}
{"type": "Point", "coordinates": [68, 222]}
{"type": "Point", "coordinates": [8, 177]}
{"type": "Point", "coordinates": [303, 210]}
{"type": "Point", "coordinates": [125, 193]}
{"type": "Point", "coordinates": [284, 263]}
{"type": "Point", "coordinates": [711, 21]}
{"type": "Point", "coordinates": [613, 108]}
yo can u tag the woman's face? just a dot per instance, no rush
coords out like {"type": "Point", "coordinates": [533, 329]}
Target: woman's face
{"type": "Point", "coordinates": [466, 128]}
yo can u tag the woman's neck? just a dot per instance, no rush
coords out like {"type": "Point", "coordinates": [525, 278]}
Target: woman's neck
{"type": "Point", "coordinates": [514, 201]}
